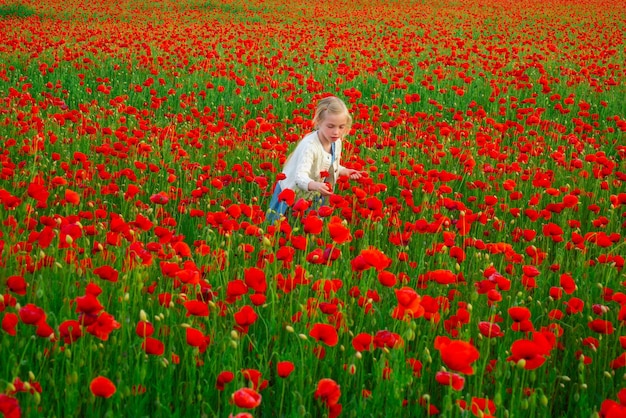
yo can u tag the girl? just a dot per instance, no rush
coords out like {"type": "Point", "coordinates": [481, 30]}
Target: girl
{"type": "Point", "coordinates": [311, 170]}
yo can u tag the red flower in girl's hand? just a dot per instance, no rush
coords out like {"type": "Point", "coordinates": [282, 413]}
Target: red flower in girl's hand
{"type": "Point", "coordinates": [329, 187]}
{"type": "Point", "coordinates": [324, 174]}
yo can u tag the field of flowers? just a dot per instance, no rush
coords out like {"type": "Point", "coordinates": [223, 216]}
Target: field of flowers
{"type": "Point", "coordinates": [477, 270]}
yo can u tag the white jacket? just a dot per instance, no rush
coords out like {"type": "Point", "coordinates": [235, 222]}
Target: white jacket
{"type": "Point", "coordinates": [306, 163]}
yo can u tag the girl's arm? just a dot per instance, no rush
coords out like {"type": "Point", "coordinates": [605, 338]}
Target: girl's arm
{"type": "Point", "coordinates": [303, 168]}
{"type": "Point", "coordinates": [343, 171]}
{"type": "Point", "coordinates": [353, 174]}
{"type": "Point", "coordinates": [307, 172]}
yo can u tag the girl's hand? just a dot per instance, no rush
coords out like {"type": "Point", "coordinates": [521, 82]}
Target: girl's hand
{"type": "Point", "coordinates": [323, 188]}
{"type": "Point", "coordinates": [354, 174]}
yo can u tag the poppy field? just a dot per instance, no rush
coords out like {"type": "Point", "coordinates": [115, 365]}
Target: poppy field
{"type": "Point", "coordinates": [476, 269]}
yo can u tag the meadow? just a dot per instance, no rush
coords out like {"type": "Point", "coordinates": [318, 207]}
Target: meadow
{"type": "Point", "coordinates": [475, 270]}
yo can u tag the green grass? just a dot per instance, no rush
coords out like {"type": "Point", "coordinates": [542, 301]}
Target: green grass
{"type": "Point", "coordinates": [16, 10]}
{"type": "Point", "coordinates": [212, 69]}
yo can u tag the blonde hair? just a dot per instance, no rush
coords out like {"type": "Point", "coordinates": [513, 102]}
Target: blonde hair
{"type": "Point", "coordinates": [332, 105]}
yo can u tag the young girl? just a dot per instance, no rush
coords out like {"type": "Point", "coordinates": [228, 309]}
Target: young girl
{"type": "Point", "coordinates": [313, 167]}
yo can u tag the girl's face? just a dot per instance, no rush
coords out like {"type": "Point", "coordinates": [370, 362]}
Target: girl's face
{"type": "Point", "coordinates": [333, 127]}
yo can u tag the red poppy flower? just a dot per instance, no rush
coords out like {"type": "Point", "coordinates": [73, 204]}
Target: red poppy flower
{"type": "Point", "coordinates": [44, 330]}
{"type": "Point", "coordinates": [45, 237]}
{"type": "Point", "coordinates": [38, 192]}
{"type": "Point", "coordinates": [328, 391]}
{"type": "Point", "coordinates": [256, 378]}
{"type": "Point", "coordinates": [299, 242]}
{"type": "Point", "coordinates": [416, 366]}
{"type": "Point", "coordinates": [387, 339]}
{"type": "Point", "coordinates": [619, 361]}
{"type": "Point", "coordinates": [376, 258]}
{"type": "Point", "coordinates": [258, 299]}
{"type": "Point", "coordinates": [441, 276]}
{"type": "Point", "coordinates": [182, 249]}
{"type": "Point", "coordinates": [457, 355]}
{"type": "Point", "coordinates": [255, 278]}
{"type": "Point", "coordinates": [455, 381]}
{"type": "Point", "coordinates": [197, 308]}
{"type": "Point", "coordinates": [556, 293]}
{"type": "Point", "coordinates": [9, 322]}
{"type": "Point", "coordinates": [574, 306]}
{"type": "Point", "coordinates": [327, 286]}
{"type": "Point", "coordinates": [601, 326]}
{"type": "Point", "coordinates": [371, 257]}
{"type": "Point", "coordinates": [72, 197]}
{"type": "Point", "coordinates": [339, 233]}
{"type": "Point", "coordinates": [246, 398]}
{"type": "Point", "coordinates": [153, 346]}
{"type": "Point", "coordinates": [142, 222]}
{"type": "Point", "coordinates": [31, 314]}
{"type": "Point", "coordinates": [285, 254]}
{"type": "Point", "coordinates": [530, 271]}
{"type": "Point", "coordinates": [102, 387]}
{"type": "Point", "coordinates": [17, 285]}
{"type": "Point", "coordinates": [235, 289]}
{"type": "Point", "coordinates": [567, 283]}
{"type": "Point", "coordinates": [612, 409]}
{"type": "Point", "coordinates": [301, 206]}
{"type": "Point", "coordinates": [521, 317]}
{"type": "Point", "coordinates": [408, 304]}
{"type": "Point", "coordinates": [88, 304]}
{"type": "Point", "coordinates": [533, 352]}
{"type": "Point", "coordinates": [144, 329]}
{"type": "Point", "coordinates": [519, 313]}
{"type": "Point", "coordinates": [317, 256]}
{"type": "Point", "coordinates": [103, 326]}
{"type": "Point", "coordinates": [159, 198]}
{"type": "Point", "coordinates": [284, 368]}
{"type": "Point", "coordinates": [458, 253]}
{"type": "Point", "coordinates": [482, 407]}
{"type": "Point", "coordinates": [196, 338]}
{"type": "Point", "coordinates": [70, 331]}
{"type": "Point", "coordinates": [325, 211]}
{"type": "Point", "coordinates": [387, 278]}
{"type": "Point", "coordinates": [93, 289]}
{"type": "Point", "coordinates": [490, 329]}
{"type": "Point", "coordinates": [107, 273]}
{"type": "Point", "coordinates": [553, 231]}
{"type": "Point", "coordinates": [245, 317]}
{"type": "Point", "coordinates": [223, 378]}
{"type": "Point", "coordinates": [359, 264]}
{"type": "Point", "coordinates": [9, 407]}
{"type": "Point", "coordinates": [165, 299]}
{"type": "Point", "coordinates": [362, 342]}
{"type": "Point", "coordinates": [325, 333]}
{"type": "Point", "coordinates": [313, 225]}
{"type": "Point", "coordinates": [288, 196]}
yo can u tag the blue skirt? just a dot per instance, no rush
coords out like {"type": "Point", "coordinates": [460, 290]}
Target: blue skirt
{"type": "Point", "coordinates": [277, 208]}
